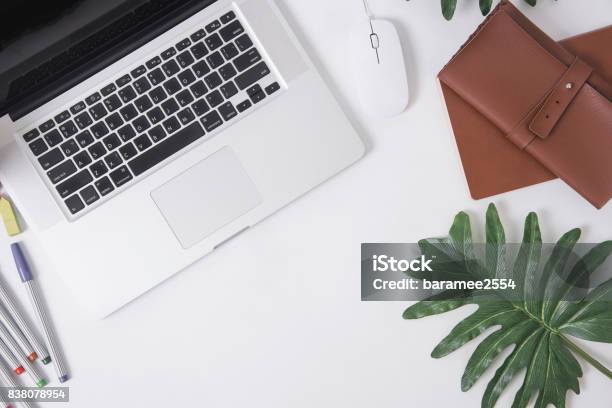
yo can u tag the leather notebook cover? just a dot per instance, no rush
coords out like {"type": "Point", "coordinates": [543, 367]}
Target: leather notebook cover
{"type": "Point", "coordinates": [517, 121]}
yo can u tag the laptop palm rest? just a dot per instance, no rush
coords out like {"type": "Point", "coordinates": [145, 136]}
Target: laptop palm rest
{"type": "Point", "coordinates": [206, 197]}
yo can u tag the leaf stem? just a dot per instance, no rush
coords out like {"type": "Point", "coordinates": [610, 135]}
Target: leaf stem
{"type": "Point", "coordinates": [600, 367]}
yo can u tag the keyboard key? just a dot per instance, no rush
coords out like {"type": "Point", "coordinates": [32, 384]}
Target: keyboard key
{"type": "Point", "coordinates": [108, 89]}
{"type": "Point", "coordinates": [227, 71]}
{"type": "Point", "coordinates": [213, 80]}
{"type": "Point", "coordinates": [124, 80]}
{"type": "Point", "coordinates": [61, 117]}
{"type": "Point", "coordinates": [228, 111]}
{"type": "Point", "coordinates": [201, 68]}
{"type": "Point", "coordinates": [198, 89]}
{"type": "Point", "coordinates": [104, 186]}
{"type": "Point", "coordinates": [143, 103]}
{"type": "Point", "coordinates": [141, 124]}
{"type": "Point", "coordinates": [171, 125]}
{"type": "Point", "coordinates": [213, 42]}
{"type": "Point", "coordinates": [82, 159]}
{"type": "Point", "coordinates": [227, 17]}
{"type": "Point", "coordinates": [170, 106]}
{"type": "Point", "coordinates": [53, 138]}
{"type": "Point", "coordinates": [229, 51]}
{"type": "Point", "coordinates": [114, 120]}
{"type": "Point", "coordinates": [256, 93]}
{"type": "Point", "coordinates": [184, 43]}
{"type": "Point", "coordinates": [184, 97]}
{"type": "Point", "coordinates": [228, 90]}
{"type": "Point", "coordinates": [138, 71]}
{"type": "Point", "coordinates": [121, 176]}
{"type": "Point", "coordinates": [74, 204]}
{"type": "Point", "coordinates": [158, 95]}
{"type": "Point", "coordinates": [155, 115]}
{"type": "Point", "coordinates": [157, 133]}
{"type": "Point", "coordinates": [77, 107]}
{"type": "Point", "coordinates": [156, 76]}
{"type": "Point", "coordinates": [170, 68]}
{"type": "Point", "coordinates": [169, 53]}
{"type": "Point", "coordinates": [125, 133]}
{"type": "Point", "coordinates": [39, 146]}
{"type": "Point", "coordinates": [100, 130]}
{"type": "Point", "coordinates": [142, 85]}
{"type": "Point", "coordinates": [231, 31]}
{"type": "Point", "coordinates": [68, 129]}
{"type": "Point", "coordinates": [97, 150]}
{"type": "Point", "coordinates": [98, 169]}
{"type": "Point", "coordinates": [61, 172]}
{"type": "Point", "coordinates": [244, 42]}
{"type": "Point", "coordinates": [84, 139]}
{"type": "Point", "coordinates": [127, 94]}
{"type": "Point", "coordinates": [89, 195]}
{"type": "Point", "coordinates": [142, 142]}
{"type": "Point", "coordinates": [31, 135]}
{"type": "Point", "coordinates": [272, 88]}
{"type": "Point", "coordinates": [244, 105]}
{"type": "Point", "coordinates": [113, 160]}
{"type": "Point", "coordinates": [166, 148]}
{"type": "Point", "coordinates": [185, 59]}
{"type": "Point", "coordinates": [200, 107]}
{"type": "Point", "coordinates": [172, 86]}
{"type": "Point", "coordinates": [93, 98]}
{"type": "Point", "coordinates": [69, 147]}
{"type": "Point", "coordinates": [98, 111]}
{"type": "Point", "coordinates": [214, 26]}
{"type": "Point", "coordinates": [215, 60]}
{"type": "Point", "coordinates": [51, 158]}
{"type": "Point", "coordinates": [83, 120]}
{"type": "Point", "coordinates": [247, 59]}
{"type": "Point", "coordinates": [48, 125]}
{"type": "Point", "coordinates": [112, 141]}
{"type": "Point", "coordinates": [112, 103]}
{"type": "Point", "coordinates": [128, 151]}
{"type": "Point", "coordinates": [199, 50]}
{"type": "Point", "coordinates": [153, 62]}
{"type": "Point", "coordinates": [185, 116]}
{"type": "Point", "coordinates": [211, 121]}
{"type": "Point", "coordinates": [128, 112]}
{"type": "Point", "coordinates": [214, 98]}
{"type": "Point", "coordinates": [198, 35]}
{"type": "Point", "coordinates": [74, 183]}
{"type": "Point", "coordinates": [252, 75]}
{"type": "Point", "coordinates": [186, 77]}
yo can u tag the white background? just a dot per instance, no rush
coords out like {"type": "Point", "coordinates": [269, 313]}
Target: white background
{"type": "Point", "coordinates": [274, 319]}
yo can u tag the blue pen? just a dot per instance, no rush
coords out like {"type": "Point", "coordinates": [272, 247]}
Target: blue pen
{"type": "Point", "coordinates": [26, 277]}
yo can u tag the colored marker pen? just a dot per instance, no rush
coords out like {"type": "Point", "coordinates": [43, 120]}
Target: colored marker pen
{"type": "Point", "coordinates": [26, 277]}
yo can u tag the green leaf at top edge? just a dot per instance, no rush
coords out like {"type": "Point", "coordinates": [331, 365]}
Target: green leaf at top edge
{"type": "Point", "coordinates": [485, 6]}
{"type": "Point", "coordinates": [448, 8]}
{"type": "Point", "coordinates": [532, 3]}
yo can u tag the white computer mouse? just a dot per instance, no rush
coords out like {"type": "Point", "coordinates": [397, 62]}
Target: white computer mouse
{"type": "Point", "coordinates": [377, 59]}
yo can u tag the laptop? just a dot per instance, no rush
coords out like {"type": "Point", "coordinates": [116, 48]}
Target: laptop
{"type": "Point", "coordinates": [138, 136]}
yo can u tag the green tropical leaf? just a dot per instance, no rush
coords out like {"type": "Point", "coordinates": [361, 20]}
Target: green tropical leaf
{"type": "Point", "coordinates": [553, 304]}
{"type": "Point", "coordinates": [485, 6]}
{"type": "Point", "coordinates": [448, 8]}
{"type": "Point", "coordinates": [532, 3]}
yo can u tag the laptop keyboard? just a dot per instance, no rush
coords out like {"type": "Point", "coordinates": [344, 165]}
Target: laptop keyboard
{"type": "Point", "coordinates": [107, 140]}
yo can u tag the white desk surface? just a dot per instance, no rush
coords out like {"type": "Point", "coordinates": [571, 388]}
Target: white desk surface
{"type": "Point", "coordinates": [274, 319]}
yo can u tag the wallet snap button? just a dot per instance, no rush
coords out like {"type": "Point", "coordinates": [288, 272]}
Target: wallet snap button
{"type": "Point", "coordinates": [569, 85]}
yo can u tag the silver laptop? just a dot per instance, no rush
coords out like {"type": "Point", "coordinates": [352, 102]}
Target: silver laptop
{"type": "Point", "coordinates": [138, 136]}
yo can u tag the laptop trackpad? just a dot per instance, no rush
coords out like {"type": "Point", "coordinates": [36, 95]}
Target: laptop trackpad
{"type": "Point", "coordinates": [206, 197]}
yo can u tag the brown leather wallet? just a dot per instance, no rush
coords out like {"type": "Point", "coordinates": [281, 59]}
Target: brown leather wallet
{"type": "Point", "coordinates": [510, 79]}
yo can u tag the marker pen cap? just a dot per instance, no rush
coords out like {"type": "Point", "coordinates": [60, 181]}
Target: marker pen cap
{"type": "Point", "coordinates": [22, 266]}
{"type": "Point", "coordinates": [33, 356]}
{"type": "Point", "coordinates": [20, 370]}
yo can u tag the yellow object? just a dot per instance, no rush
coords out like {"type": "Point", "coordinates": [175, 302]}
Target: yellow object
{"type": "Point", "coordinates": [9, 218]}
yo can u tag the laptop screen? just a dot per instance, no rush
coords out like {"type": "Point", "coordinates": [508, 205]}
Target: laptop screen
{"type": "Point", "coordinates": [44, 44]}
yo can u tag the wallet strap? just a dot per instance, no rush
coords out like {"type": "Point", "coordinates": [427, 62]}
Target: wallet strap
{"type": "Point", "coordinates": [560, 98]}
